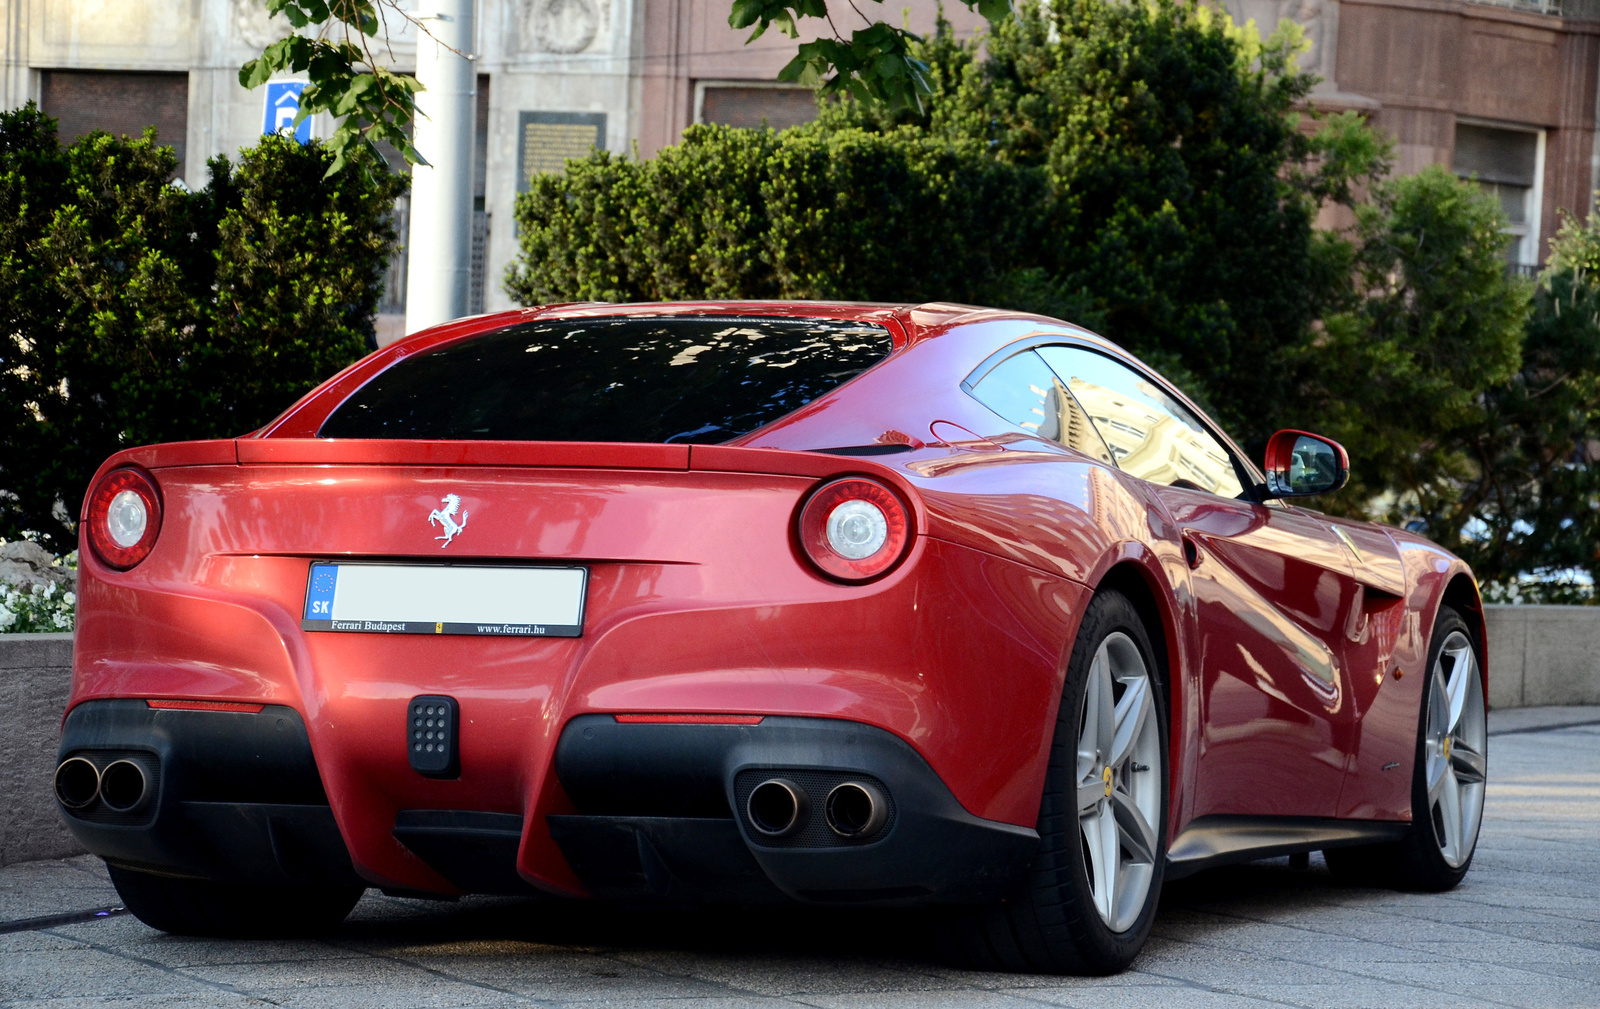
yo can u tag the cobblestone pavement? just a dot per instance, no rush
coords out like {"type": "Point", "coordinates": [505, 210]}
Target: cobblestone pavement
{"type": "Point", "coordinates": [1523, 930]}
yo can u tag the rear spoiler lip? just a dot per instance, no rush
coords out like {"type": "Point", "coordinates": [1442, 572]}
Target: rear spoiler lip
{"type": "Point", "coordinates": [554, 454]}
{"type": "Point", "coordinates": [782, 462]}
{"type": "Point", "coordinates": [803, 463]}
{"type": "Point", "coordinates": [580, 454]}
{"type": "Point", "coordinates": [394, 452]}
{"type": "Point", "coordinates": [558, 454]}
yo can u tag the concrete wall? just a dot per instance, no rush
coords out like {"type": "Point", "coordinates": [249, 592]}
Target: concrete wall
{"type": "Point", "coordinates": [35, 673]}
{"type": "Point", "coordinates": [1543, 655]}
{"type": "Point", "coordinates": [1538, 655]}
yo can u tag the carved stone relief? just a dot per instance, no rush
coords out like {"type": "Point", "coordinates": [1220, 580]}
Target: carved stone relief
{"type": "Point", "coordinates": [564, 26]}
{"type": "Point", "coordinates": [251, 25]}
{"type": "Point", "coordinates": [1318, 18]}
{"type": "Point", "coordinates": [1308, 14]}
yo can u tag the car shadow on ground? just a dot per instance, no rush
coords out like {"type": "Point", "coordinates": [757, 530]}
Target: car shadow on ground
{"type": "Point", "coordinates": [872, 933]}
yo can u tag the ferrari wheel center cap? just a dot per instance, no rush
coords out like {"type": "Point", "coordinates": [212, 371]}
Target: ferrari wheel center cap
{"type": "Point", "coordinates": [1106, 777]}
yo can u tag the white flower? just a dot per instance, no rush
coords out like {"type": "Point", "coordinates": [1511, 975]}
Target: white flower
{"type": "Point", "coordinates": [7, 617]}
{"type": "Point", "coordinates": [71, 599]}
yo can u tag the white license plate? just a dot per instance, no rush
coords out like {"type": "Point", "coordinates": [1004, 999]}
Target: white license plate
{"type": "Point", "coordinates": [445, 599]}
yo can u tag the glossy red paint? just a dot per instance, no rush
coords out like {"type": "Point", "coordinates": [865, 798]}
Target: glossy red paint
{"type": "Point", "coordinates": [702, 604]}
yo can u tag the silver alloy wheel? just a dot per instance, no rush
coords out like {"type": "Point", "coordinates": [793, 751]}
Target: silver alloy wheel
{"type": "Point", "coordinates": [1454, 750]}
{"type": "Point", "coordinates": [1119, 780]}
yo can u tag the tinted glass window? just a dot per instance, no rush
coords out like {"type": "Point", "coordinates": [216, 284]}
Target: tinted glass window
{"type": "Point", "coordinates": [1024, 390]}
{"type": "Point", "coordinates": [687, 379]}
{"type": "Point", "coordinates": [1152, 436]}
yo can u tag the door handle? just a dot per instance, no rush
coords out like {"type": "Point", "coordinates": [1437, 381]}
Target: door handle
{"type": "Point", "coordinates": [1191, 551]}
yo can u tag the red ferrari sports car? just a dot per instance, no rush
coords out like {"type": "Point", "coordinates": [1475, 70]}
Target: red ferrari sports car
{"type": "Point", "coordinates": [832, 604]}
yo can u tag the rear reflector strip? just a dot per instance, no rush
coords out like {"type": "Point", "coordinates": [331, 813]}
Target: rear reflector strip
{"type": "Point", "coordinates": [689, 719]}
{"type": "Point", "coordinates": [249, 709]}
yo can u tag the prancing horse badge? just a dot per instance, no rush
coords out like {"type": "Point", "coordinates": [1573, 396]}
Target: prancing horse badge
{"type": "Point", "coordinates": [446, 517]}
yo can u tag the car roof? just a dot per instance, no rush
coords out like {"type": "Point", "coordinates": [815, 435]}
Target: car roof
{"type": "Point", "coordinates": [915, 321]}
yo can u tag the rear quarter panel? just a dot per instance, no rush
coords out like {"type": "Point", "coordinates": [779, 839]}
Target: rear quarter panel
{"type": "Point", "coordinates": [991, 488]}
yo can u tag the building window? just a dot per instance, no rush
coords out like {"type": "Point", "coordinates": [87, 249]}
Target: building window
{"type": "Point", "coordinates": [753, 104]}
{"type": "Point", "coordinates": [119, 103]}
{"type": "Point", "coordinates": [1509, 165]}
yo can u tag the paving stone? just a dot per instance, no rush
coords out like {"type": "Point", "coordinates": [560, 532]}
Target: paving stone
{"type": "Point", "coordinates": [311, 972]}
{"type": "Point", "coordinates": [1363, 995]}
{"type": "Point", "coordinates": [958, 999]}
{"type": "Point", "coordinates": [436, 994]}
{"type": "Point", "coordinates": [729, 1002]}
{"type": "Point", "coordinates": [207, 1000]}
{"type": "Point", "coordinates": [1155, 998]}
{"type": "Point", "coordinates": [40, 974]}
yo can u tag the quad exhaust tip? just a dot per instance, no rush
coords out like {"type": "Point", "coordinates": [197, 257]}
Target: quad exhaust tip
{"type": "Point", "coordinates": [778, 807]}
{"type": "Point", "coordinates": [77, 783]}
{"type": "Point", "coordinates": [855, 809]}
{"type": "Point", "coordinates": [123, 786]}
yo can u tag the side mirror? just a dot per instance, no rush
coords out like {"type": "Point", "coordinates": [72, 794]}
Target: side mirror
{"type": "Point", "coordinates": [1300, 464]}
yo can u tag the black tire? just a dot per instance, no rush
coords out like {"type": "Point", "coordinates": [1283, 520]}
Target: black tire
{"type": "Point", "coordinates": [1049, 924]}
{"type": "Point", "coordinates": [202, 907]}
{"type": "Point", "coordinates": [1414, 863]}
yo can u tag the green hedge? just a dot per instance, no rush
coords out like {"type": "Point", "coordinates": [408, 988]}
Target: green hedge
{"type": "Point", "coordinates": [135, 311]}
{"type": "Point", "coordinates": [806, 213]}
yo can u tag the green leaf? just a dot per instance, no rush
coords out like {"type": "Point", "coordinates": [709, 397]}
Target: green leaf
{"type": "Point", "coordinates": [255, 73]}
{"type": "Point", "coordinates": [995, 11]}
{"type": "Point", "coordinates": [745, 13]}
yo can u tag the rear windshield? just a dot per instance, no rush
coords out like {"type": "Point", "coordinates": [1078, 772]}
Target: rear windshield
{"type": "Point", "coordinates": [684, 379]}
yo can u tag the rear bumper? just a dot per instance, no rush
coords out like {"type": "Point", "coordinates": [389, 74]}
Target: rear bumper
{"type": "Point", "coordinates": [232, 796]}
{"type": "Point", "coordinates": [662, 814]}
{"type": "Point", "coordinates": [659, 812]}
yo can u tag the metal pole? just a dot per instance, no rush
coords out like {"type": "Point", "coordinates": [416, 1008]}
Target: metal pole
{"type": "Point", "coordinates": [440, 249]}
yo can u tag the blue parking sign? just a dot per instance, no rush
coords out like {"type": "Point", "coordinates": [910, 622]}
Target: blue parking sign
{"type": "Point", "coordinates": [283, 104]}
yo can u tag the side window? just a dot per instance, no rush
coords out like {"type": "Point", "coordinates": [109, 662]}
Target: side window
{"type": "Point", "coordinates": [1024, 391]}
{"type": "Point", "coordinates": [1151, 436]}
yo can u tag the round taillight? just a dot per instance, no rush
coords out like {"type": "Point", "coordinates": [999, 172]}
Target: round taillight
{"type": "Point", "coordinates": [123, 518]}
{"type": "Point", "coordinates": [855, 529]}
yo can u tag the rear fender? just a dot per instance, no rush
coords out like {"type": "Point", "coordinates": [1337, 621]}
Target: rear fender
{"type": "Point", "coordinates": [1162, 575]}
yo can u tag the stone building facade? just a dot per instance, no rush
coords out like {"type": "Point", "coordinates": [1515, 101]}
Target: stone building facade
{"type": "Point", "coordinates": [1501, 93]}
{"type": "Point", "coordinates": [1506, 94]}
